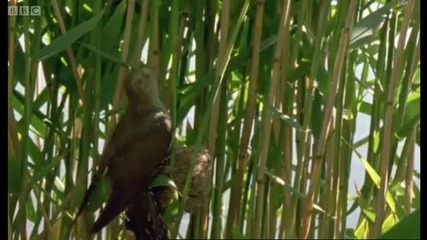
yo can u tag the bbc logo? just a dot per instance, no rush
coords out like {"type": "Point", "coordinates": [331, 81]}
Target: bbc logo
{"type": "Point", "coordinates": [24, 10]}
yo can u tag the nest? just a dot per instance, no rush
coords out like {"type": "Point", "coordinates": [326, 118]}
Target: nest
{"type": "Point", "coordinates": [145, 219]}
{"type": "Point", "coordinates": [200, 183]}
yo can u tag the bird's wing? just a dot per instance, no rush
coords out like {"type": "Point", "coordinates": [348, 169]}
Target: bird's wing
{"type": "Point", "coordinates": [142, 150]}
{"type": "Point", "coordinates": [108, 153]}
{"type": "Point", "coordinates": [136, 160]}
{"type": "Point", "coordinates": [121, 136]}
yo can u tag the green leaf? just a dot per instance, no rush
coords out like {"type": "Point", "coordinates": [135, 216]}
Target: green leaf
{"type": "Point", "coordinates": [14, 174]}
{"type": "Point", "coordinates": [63, 42]}
{"type": "Point", "coordinates": [412, 114]}
{"type": "Point", "coordinates": [365, 107]}
{"type": "Point", "coordinates": [416, 202]}
{"type": "Point", "coordinates": [188, 94]}
{"type": "Point", "coordinates": [112, 28]}
{"type": "Point", "coordinates": [43, 169]}
{"type": "Point", "coordinates": [37, 124]}
{"type": "Point", "coordinates": [108, 86]}
{"type": "Point", "coordinates": [367, 210]}
{"type": "Point", "coordinates": [301, 70]}
{"type": "Point", "coordinates": [103, 54]}
{"type": "Point", "coordinates": [413, 104]}
{"type": "Point", "coordinates": [237, 234]}
{"type": "Point", "coordinates": [389, 222]}
{"type": "Point", "coordinates": [362, 229]}
{"type": "Point", "coordinates": [375, 178]}
{"type": "Point", "coordinates": [364, 31]}
{"type": "Point", "coordinates": [162, 180]}
{"type": "Point", "coordinates": [36, 155]}
{"type": "Point", "coordinates": [407, 228]}
{"type": "Point", "coordinates": [100, 194]}
{"type": "Point", "coordinates": [31, 211]}
{"type": "Point", "coordinates": [42, 98]}
{"type": "Point", "coordinates": [377, 140]}
{"type": "Point", "coordinates": [18, 74]}
{"type": "Point", "coordinates": [317, 114]}
{"type": "Point", "coordinates": [349, 233]}
{"type": "Point", "coordinates": [287, 119]}
{"type": "Point", "coordinates": [281, 182]}
{"type": "Point", "coordinates": [408, 126]}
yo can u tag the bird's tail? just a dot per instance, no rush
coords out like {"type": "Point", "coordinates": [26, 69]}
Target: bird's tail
{"type": "Point", "coordinates": [145, 219]}
{"type": "Point", "coordinates": [117, 203]}
{"type": "Point", "coordinates": [87, 196]}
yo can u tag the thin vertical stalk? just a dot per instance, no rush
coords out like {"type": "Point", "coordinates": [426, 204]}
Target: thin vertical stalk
{"type": "Point", "coordinates": [207, 114]}
{"type": "Point", "coordinates": [220, 164]}
{"type": "Point", "coordinates": [343, 131]}
{"type": "Point", "coordinates": [95, 87]}
{"type": "Point", "coordinates": [267, 120]}
{"type": "Point", "coordinates": [387, 130]}
{"type": "Point", "coordinates": [347, 134]}
{"type": "Point", "coordinates": [141, 31]}
{"type": "Point", "coordinates": [410, 58]}
{"type": "Point", "coordinates": [201, 59]}
{"type": "Point", "coordinates": [287, 144]}
{"type": "Point", "coordinates": [327, 201]}
{"type": "Point", "coordinates": [9, 226]}
{"type": "Point", "coordinates": [304, 136]}
{"type": "Point", "coordinates": [398, 115]}
{"type": "Point", "coordinates": [342, 50]}
{"type": "Point", "coordinates": [410, 161]}
{"type": "Point", "coordinates": [70, 53]}
{"type": "Point", "coordinates": [266, 223]}
{"type": "Point", "coordinates": [373, 153]}
{"type": "Point", "coordinates": [13, 142]}
{"type": "Point", "coordinates": [299, 31]}
{"type": "Point", "coordinates": [236, 190]}
{"type": "Point", "coordinates": [225, 18]}
{"type": "Point", "coordinates": [212, 137]}
{"type": "Point", "coordinates": [176, 44]}
{"type": "Point", "coordinates": [154, 51]}
{"type": "Point", "coordinates": [410, 173]}
{"type": "Point", "coordinates": [286, 172]}
{"type": "Point", "coordinates": [176, 32]}
{"type": "Point", "coordinates": [202, 62]}
{"type": "Point", "coordinates": [96, 39]}
{"type": "Point", "coordinates": [119, 94]}
{"type": "Point", "coordinates": [21, 218]}
{"type": "Point", "coordinates": [285, 130]}
{"type": "Point", "coordinates": [249, 200]}
{"type": "Point", "coordinates": [35, 46]}
{"type": "Point", "coordinates": [285, 141]}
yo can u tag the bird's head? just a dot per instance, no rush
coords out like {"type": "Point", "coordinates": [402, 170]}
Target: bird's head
{"type": "Point", "coordinates": [142, 88]}
{"type": "Point", "coordinates": [141, 81]}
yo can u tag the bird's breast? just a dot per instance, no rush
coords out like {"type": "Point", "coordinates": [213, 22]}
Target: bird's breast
{"type": "Point", "coordinates": [139, 161]}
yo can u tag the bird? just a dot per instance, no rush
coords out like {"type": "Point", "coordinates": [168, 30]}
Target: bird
{"type": "Point", "coordinates": [201, 173]}
{"type": "Point", "coordinates": [138, 147]}
{"type": "Point", "coordinates": [145, 217]}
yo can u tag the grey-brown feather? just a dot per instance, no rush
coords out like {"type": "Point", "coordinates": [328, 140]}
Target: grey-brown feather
{"type": "Point", "coordinates": [137, 158]}
{"type": "Point", "coordinates": [138, 146]}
